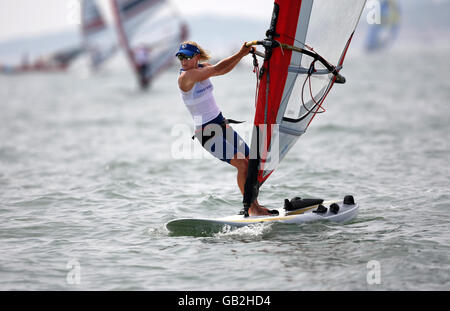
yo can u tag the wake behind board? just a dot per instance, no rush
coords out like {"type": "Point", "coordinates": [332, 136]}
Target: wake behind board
{"type": "Point", "coordinates": [296, 211]}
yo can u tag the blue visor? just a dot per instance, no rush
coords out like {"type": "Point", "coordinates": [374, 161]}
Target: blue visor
{"type": "Point", "coordinates": [188, 50]}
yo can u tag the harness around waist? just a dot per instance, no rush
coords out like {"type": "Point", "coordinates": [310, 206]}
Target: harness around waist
{"type": "Point", "coordinates": [203, 138]}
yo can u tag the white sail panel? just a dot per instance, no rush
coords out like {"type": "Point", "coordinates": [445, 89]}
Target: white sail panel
{"type": "Point", "coordinates": [326, 27]}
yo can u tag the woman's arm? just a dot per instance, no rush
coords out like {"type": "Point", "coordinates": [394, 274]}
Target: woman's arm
{"type": "Point", "coordinates": [227, 64]}
{"type": "Point", "coordinates": [187, 79]}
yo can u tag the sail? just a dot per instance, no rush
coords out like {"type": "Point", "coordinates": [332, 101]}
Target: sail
{"type": "Point", "coordinates": [150, 32]}
{"type": "Point", "coordinates": [304, 52]}
{"type": "Point", "coordinates": [98, 38]}
{"type": "Point", "coordinates": [385, 32]}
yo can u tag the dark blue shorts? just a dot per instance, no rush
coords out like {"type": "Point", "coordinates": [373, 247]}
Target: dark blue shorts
{"type": "Point", "coordinates": [219, 139]}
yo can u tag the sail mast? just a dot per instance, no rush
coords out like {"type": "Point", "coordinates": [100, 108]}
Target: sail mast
{"type": "Point", "coordinates": [265, 117]}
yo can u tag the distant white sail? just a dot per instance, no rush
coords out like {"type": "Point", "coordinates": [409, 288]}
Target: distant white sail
{"type": "Point", "coordinates": [98, 37]}
{"type": "Point", "coordinates": [150, 32]}
{"type": "Point", "coordinates": [384, 34]}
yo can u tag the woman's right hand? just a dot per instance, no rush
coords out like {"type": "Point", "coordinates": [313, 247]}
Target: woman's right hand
{"type": "Point", "coordinates": [245, 49]}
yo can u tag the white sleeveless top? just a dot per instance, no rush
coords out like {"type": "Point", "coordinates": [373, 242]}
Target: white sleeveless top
{"type": "Point", "coordinates": [200, 102]}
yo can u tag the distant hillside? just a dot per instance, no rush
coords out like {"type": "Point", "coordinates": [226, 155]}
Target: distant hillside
{"type": "Point", "coordinates": [12, 51]}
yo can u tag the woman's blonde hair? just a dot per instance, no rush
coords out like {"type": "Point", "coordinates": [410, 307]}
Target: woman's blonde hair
{"type": "Point", "coordinates": [204, 55]}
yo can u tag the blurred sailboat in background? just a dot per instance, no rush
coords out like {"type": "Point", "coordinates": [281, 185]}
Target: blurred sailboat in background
{"type": "Point", "coordinates": [150, 32]}
{"type": "Point", "coordinates": [98, 37]}
{"type": "Point", "coordinates": [384, 34]}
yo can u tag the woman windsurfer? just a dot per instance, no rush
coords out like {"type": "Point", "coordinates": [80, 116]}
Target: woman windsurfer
{"type": "Point", "coordinates": [197, 93]}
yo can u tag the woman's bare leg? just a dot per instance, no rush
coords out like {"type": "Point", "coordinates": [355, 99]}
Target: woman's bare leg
{"type": "Point", "coordinates": [241, 163]}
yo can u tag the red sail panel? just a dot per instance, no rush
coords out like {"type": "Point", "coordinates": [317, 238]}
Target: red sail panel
{"type": "Point", "coordinates": [276, 71]}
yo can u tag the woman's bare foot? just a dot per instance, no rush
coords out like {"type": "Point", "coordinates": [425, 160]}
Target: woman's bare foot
{"type": "Point", "coordinates": [258, 210]}
{"type": "Point", "coordinates": [257, 204]}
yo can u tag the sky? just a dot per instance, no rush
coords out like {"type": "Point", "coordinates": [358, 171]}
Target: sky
{"type": "Point", "coordinates": [27, 18]}
{"type": "Point", "coordinates": [21, 18]}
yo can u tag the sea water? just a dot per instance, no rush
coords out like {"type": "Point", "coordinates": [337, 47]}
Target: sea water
{"type": "Point", "coordinates": [91, 169]}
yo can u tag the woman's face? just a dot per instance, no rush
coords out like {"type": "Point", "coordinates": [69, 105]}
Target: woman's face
{"type": "Point", "coordinates": [189, 64]}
